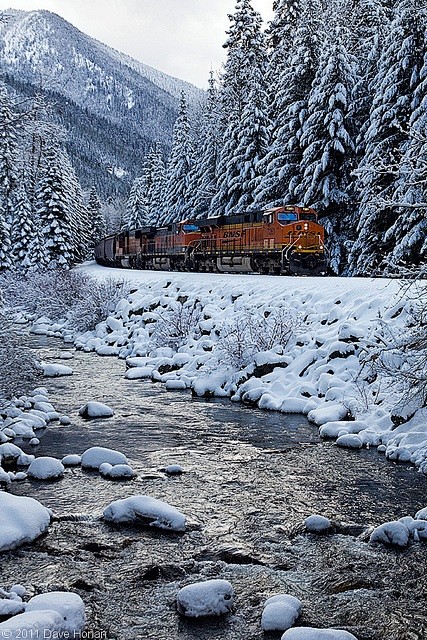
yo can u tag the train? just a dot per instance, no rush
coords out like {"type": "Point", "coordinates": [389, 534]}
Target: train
{"type": "Point", "coordinates": [284, 240]}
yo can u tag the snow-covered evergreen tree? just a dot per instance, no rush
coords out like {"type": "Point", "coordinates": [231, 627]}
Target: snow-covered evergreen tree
{"type": "Point", "coordinates": [202, 177]}
{"type": "Point", "coordinates": [8, 174]}
{"type": "Point", "coordinates": [52, 210]}
{"type": "Point", "coordinates": [327, 141]}
{"type": "Point", "coordinates": [96, 217]}
{"type": "Point", "coordinates": [387, 138]}
{"type": "Point", "coordinates": [136, 208]}
{"type": "Point", "coordinates": [281, 167]}
{"type": "Point", "coordinates": [176, 194]}
{"type": "Point", "coordinates": [243, 80]}
{"type": "Point", "coordinates": [158, 180]}
{"type": "Point", "coordinates": [22, 230]}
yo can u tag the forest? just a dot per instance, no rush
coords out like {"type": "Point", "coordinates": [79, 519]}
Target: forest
{"type": "Point", "coordinates": [325, 106]}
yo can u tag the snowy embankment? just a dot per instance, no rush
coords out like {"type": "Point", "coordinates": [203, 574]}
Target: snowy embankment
{"type": "Point", "coordinates": [294, 345]}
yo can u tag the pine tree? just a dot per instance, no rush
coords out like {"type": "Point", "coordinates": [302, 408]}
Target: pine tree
{"type": "Point", "coordinates": [242, 81]}
{"type": "Point", "coordinates": [52, 209]}
{"type": "Point", "coordinates": [158, 180]}
{"type": "Point", "coordinates": [202, 182]}
{"type": "Point", "coordinates": [136, 207]}
{"type": "Point", "coordinates": [22, 229]}
{"type": "Point", "coordinates": [176, 194]}
{"type": "Point", "coordinates": [96, 217]}
{"type": "Point", "coordinates": [8, 175]}
{"type": "Point", "coordinates": [281, 167]}
{"type": "Point", "coordinates": [387, 138]}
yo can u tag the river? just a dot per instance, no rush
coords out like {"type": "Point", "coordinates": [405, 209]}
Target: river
{"type": "Point", "coordinates": [251, 478]}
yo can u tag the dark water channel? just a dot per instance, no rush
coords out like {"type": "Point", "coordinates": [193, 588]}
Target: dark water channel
{"type": "Point", "coordinates": [251, 478]}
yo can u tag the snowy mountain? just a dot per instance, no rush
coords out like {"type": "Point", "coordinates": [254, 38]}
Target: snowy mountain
{"type": "Point", "coordinates": [113, 107]}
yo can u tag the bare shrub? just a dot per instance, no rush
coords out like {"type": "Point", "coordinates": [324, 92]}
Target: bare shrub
{"type": "Point", "coordinates": [176, 324]}
{"type": "Point", "coordinates": [401, 356]}
{"type": "Point", "coordinates": [253, 330]}
{"type": "Point", "coordinates": [63, 295]}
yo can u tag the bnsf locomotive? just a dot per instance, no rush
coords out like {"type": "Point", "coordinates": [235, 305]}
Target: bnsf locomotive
{"type": "Point", "coordinates": [281, 240]}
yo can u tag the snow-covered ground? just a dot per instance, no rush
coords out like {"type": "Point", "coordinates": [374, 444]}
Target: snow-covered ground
{"type": "Point", "coordinates": [295, 345]}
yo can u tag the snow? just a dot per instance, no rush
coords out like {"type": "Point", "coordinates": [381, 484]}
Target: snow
{"type": "Point", "coordinates": [55, 370]}
{"type": "Point", "coordinates": [310, 633]}
{"type": "Point", "coordinates": [280, 612]}
{"type": "Point", "coordinates": [319, 370]}
{"type": "Point", "coordinates": [317, 524]}
{"type": "Point", "coordinates": [66, 604]}
{"type": "Point", "coordinates": [32, 624]}
{"type": "Point", "coordinates": [46, 468]}
{"type": "Point", "coordinates": [394, 533]}
{"type": "Point", "coordinates": [209, 598]}
{"type": "Point", "coordinates": [117, 471]}
{"type": "Point", "coordinates": [94, 409]}
{"type": "Point", "coordinates": [22, 520]}
{"type": "Point", "coordinates": [94, 457]}
{"type": "Point", "coordinates": [147, 510]}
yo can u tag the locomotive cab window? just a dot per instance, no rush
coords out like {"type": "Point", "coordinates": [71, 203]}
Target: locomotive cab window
{"type": "Point", "coordinates": [287, 217]}
{"type": "Point", "coordinates": [190, 228]}
{"type": "Point", "coordinates": [308, 216]}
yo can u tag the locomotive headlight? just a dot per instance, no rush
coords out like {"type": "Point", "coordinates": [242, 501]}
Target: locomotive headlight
{"type": "Point", "coordinates": [300, 246]}
{"type": "Point", "coordinates": [306, 227]}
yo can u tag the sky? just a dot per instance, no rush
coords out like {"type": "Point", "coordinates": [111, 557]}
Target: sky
{"type": "Point", "coordinates": [183, 38]}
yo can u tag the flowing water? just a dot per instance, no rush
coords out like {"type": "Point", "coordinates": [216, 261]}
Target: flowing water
{"type": "Point", "coordinates": [251, 478]}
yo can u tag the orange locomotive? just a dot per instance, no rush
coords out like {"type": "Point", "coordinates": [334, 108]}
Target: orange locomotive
{"type": "Point", "coordinates": [281, 240]}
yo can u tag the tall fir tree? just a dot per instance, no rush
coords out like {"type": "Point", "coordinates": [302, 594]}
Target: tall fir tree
{"type": "Point", "coordinates": [386, 138]}
{"type": "Point", "coordinates": [281, 166]}
{"type": "Point", "coordinates": [8, 174]}
{"type": "Point", "coordinates": [176, 194]}
{"type": "Point", "coordinates": [203, 172]}
{"type": "Point", "coordinates": [22, 230]}
{"type": "Point", "coordinates": [243, 80]}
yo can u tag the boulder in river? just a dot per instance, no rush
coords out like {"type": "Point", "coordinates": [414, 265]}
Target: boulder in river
{"type": "Point", "coordinates": [209, 598]}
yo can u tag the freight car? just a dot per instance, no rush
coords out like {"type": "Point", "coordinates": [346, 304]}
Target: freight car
{"type": "Point", "coordinates": [281, 240]}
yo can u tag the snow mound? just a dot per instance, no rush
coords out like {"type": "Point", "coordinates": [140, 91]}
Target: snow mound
{"type": "Point", "coordinates": [117, 471]}
{"type": "Point", "coordinates": [46, 468]}
{"type": "Point", "coordinates": [146, 510]}
{"type": "Point", "coordinates": [32, 624]}
{"type": "Point", "coordinates": [280, 612]}
{"type": "Point", "coordinates": [56, 370]}
{"type": "Point", "coordinates": [317, 524]}
{"type": "Point", "coordinates": [94, 409]}
{"type": "Point", "coordinates": [22, 520]}
{"type": "Point", "coordinates": [174, 469]}
{"type": "Point", "coordinates": [393, 533]}
{"type": "Point", "coordinates": [310, 633]}
{"type": "Point", "coordinates": [71, 460]}
{"type": "Point", "coordinates": [69, 606]}
{"type": "Point", "coordinates": [93, 457]}
{"type": "Point", "coordinates": [210, 598]}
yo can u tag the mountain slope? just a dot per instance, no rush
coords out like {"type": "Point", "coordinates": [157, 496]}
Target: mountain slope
{"type": "Point", "coordinates": [113, 107]}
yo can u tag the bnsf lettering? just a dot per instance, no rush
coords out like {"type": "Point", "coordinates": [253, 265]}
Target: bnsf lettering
{"type": "Point", "coordinates": [232, 234]}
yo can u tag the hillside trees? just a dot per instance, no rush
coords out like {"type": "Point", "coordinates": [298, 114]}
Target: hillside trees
{"type": "Point", "coordinates": [43, 220]}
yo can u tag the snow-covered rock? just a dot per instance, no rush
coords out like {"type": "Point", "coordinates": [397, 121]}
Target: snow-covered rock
{"type": "Point", "coordinates": [145, 510]}
{"type": "Point", "coordinates": [93, 457]}
{"type": "Point", "coordinates": [68, 605]}
{"type": "Point", "coordinates": [22, 520]}
{"type": "Point", "coordinates": [317, 524]}
{"type": "Point", "coordinates": [174, 469]}
{"type": "Point", "coordinates": [310, 633]}
{"type": "Point", "coordinates": [32, 624]}
{"type": "Point", "coordinates": [393, 533]}
{"type": "Point", "coordinates": [10, 607]}
{"type": "Point", "coordinates": [95, 409]}
{"type": "Point", "coordinates": [280, 612]}
{"type": "Point", "coordinates": [46, 468]}
{"type": "Point", "coordinates": [117, 471]}
{"type": "Point", "coordinates": [55, 370]}
{"type": "Point", "coordinates": [71, 460]}
{"type": "Point", "coordinates": [209, 598]}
